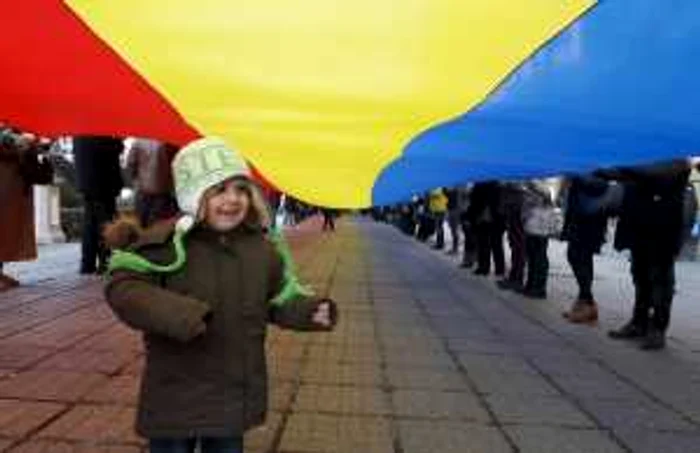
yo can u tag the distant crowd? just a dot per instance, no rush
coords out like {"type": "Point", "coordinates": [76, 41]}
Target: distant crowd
{"type": "Point", "coordinates": [655, 212]}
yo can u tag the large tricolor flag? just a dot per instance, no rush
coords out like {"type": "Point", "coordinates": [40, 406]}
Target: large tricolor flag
{"type": "Point", "coordinates": [351, 103]}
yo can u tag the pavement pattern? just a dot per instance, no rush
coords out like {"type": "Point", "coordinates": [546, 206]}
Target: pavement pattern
{"type": "Point", "coordinates": [427, 358]}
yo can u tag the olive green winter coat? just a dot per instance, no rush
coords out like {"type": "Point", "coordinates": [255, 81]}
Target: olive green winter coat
{"type": "Point", "coordinates": [204, 330]}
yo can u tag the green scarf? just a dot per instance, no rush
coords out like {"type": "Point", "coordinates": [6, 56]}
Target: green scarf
{"type": "Point", "coordinates": [292, 288]}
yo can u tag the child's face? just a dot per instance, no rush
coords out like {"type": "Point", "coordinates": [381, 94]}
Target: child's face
{"type": "Point", "coordinates": [227, 204]}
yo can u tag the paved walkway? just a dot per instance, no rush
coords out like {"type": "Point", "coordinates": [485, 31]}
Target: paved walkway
{"type": "Point", "coordinates": [426, 359]}
{"type": "Point", "coordinates": [55, 262]}
{"type": "Point", "coordinates": [614, 291]}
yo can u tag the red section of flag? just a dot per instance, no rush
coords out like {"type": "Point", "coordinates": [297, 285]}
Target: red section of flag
{"type": "Point", "coordinates": [266, 185]}
{"type": "Point", "coordinates": [58, 78]}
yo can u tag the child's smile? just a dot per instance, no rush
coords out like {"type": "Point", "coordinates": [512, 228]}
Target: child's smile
{"type": "Point", "coordinates": [227, 204]}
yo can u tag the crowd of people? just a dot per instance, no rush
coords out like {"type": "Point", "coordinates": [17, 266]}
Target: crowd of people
{"type": "Point", "coordinates": [100, 178]}
{"type": "Point", "coordinates": [654, 209]}
{"type": "Point", "coordinates": [295, 211]}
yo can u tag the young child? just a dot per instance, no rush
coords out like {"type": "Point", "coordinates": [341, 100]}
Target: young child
{"type": "Point", "coordinates": [200, 291]}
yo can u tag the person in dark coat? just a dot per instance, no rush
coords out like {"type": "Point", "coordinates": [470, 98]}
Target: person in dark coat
{"type": "Point", "coordinates": [585, 225]}
{"type": "Point", "coordinates": [651, 226]}
{"type": "Point", "coordinates": [100, 181]}
{"type": "Point", "coordinates": [513, 195]}
{"type": "Point", "coordinates": [328, 219]}
{"type": "Point", "coordinates": [406, 220]}
{"type": "Point", "coordinates": [453, 213]}
{"type": "Point", "coordinates": [468, 238]}
{"type": "Point", "coordinates": [202, 291]}
{"type": "Point", "coordinates": [485, 216]}
{"type": "Point", "coordinates": [291, 211]}
{"type": "Point", "coordinates": [424, 219]}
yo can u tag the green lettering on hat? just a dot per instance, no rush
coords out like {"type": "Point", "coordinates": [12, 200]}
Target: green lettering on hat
{"type": "Point", "coordinates": [201, 165]}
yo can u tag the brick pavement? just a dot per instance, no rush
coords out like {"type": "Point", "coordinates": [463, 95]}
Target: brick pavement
{"type": "Point", "coordinates": [427, 358]}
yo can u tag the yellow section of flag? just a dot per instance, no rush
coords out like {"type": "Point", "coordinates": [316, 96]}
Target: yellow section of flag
{"type": "Point", "coordinates": [321, 95]}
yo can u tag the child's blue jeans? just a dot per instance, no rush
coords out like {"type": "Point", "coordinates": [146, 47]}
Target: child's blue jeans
{"type": "Point", "coordinates": [206, 445]}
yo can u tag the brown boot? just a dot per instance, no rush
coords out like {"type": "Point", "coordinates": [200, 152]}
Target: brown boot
{"type": "Point", "coordinates": [574, 308]}
{"type": "Point", "coordinates": [7, 282]}
{"type": "Point", "coordinates": [587, 314]}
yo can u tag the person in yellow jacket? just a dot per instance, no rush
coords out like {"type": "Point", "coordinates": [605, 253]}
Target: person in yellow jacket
{"type": "Point", "coordinates": [437, 204]}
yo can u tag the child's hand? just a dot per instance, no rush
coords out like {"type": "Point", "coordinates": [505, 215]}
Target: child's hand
{"type": "Point", "coordinates": [323, 315]}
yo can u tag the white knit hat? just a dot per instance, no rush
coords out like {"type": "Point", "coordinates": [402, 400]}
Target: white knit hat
{"type": "Point", "coordinates": [197, 167]}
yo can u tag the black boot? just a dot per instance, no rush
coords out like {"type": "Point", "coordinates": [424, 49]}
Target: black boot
{"type": "Point", "coordinates": [629, 331]}
{"type": "Point", "coordinates": [509, 285]}
{"type": "Point", "coordinates": [654, 340]}
{"type": "Point", "coordinates": [534, 293]}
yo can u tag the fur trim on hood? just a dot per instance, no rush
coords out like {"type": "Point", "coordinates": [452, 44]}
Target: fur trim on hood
{"type": "Point", "coordinates": [126, 233]}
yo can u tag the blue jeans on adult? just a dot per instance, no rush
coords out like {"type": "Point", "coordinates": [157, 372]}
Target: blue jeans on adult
{"type": "Point", "coordinates": [207, 445]}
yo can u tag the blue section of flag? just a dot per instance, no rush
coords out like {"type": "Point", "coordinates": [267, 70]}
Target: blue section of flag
{"type": "Point", "coordinates": [621, 86]}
